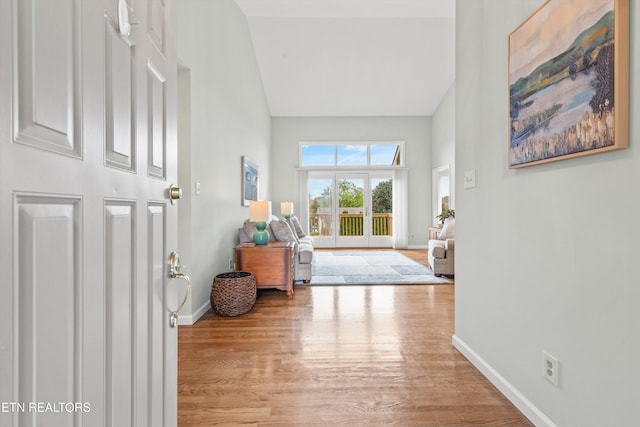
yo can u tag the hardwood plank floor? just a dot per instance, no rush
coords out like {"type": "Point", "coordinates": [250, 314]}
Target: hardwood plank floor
{"type": "Point", "coordinates": [350, 355]}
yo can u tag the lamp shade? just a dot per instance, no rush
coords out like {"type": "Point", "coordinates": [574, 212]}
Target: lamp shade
{"type": "Point", "coordinates": [260, 211]}
{"type": "Point", "coordinates": [286, 208]}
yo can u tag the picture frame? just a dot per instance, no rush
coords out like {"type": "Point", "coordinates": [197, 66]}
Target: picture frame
{"type": "Point", "coordinates": [569, 81]}
{"type": "Point", "coordinates": [250, 180]}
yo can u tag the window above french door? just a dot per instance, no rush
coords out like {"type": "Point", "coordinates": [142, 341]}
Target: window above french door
{"type": "Point", "coordinates": [351, 154]}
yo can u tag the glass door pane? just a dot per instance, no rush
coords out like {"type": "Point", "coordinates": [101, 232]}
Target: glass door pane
{"type": "Point", "coordinates": [321, 209]}
{"type": "Point", "coordinates": [352, 227]}
{"type": "Point", "coordinates": [381, 207]}
{"type": "Point", "coordinates": [381, 211]}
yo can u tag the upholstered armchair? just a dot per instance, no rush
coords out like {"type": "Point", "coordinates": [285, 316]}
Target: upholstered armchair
{"type": "Point", "coordinates": [442, 251]}
{"type": "Point", "coordinates": [442, 256]}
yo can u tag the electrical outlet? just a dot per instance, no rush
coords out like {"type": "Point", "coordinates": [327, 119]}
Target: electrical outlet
{"type": "Point", "coordinates": [197, 188]}
{"type": "Point", "coordinates": [550, 368]}
{"type": "Point", "coordinates": [231, 265]}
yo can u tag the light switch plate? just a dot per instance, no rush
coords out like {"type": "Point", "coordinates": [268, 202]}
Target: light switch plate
{"type": "Point", "coordinates": [197, 188]}
{"type": "Point", "coordinates": [470, 178]}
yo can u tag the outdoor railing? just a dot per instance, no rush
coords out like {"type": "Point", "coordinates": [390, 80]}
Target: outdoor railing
{"type": "Point", "coordinates": [382, 224]}
{"type": "Point", "coordinates": [351, 224]}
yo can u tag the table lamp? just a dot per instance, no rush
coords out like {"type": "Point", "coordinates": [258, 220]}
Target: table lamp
{"type": "Point", "coordinates": [286, 209]}
{"type": "Point", "coordinates": [260, 213]}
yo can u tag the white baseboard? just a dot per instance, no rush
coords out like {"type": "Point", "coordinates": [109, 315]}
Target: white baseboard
{"type": "Point", "coordinates": [193, 318]}
{"type": "Point", "coordinates": [506, 388]}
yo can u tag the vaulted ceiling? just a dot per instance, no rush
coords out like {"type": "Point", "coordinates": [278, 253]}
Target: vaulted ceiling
{"type": "Point", "coordinates": [353, 57]}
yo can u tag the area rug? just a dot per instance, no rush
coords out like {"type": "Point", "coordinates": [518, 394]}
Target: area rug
{"type": "Point", "coordinates": [370, 268]}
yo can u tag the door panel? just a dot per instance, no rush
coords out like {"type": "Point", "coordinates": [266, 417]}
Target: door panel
{"type": "Point", "coordinates": [157, 17]}
{"type": "Point", "coordinates": [46, 289]}
{"type": "Point", "coordinates": [156, 111]}
{"type": "Point", "coordinates": [47, 100]}
{"type": "Point", "coordinates": [119, 267]}
{"type": "Point", "coordinates": [156, 214]}
{"type": "Point", "coordinates": [120, 105]}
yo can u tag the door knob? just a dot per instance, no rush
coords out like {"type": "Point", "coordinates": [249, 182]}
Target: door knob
{"type": "Point", "coordinates": [175, 193]}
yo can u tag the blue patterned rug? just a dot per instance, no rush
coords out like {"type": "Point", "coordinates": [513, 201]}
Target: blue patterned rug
{"type": "Point", "coordinates": [370, 268]}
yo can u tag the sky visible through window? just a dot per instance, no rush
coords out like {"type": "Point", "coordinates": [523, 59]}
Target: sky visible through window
{"type": "Point", "coordinates": [383, 155]}
{"type": "Point", "coordinates": [318, 155]}
{"type": "Point", "coordinates": [348, 155]}
{"type": "Point", "coordinates": [318, 185]}
{"type": "Point", "coordinates": [352, 155]}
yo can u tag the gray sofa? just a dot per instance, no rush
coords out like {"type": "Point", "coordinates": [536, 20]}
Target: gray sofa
{"type": "Point", "coordinates": [281, 230]}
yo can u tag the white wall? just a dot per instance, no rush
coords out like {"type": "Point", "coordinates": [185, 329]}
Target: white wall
{"type": "Point", "coordinates": [287, 132]}
{"type": "Point", "coordinates": [229, 118]}
{"type": "Point", "coordinates": [545, 255]}
{"type": "Point", "coordinates": [444, 130]}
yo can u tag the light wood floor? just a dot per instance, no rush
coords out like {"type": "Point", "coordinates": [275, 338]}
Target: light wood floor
{"type": "Point", "coordinates": [350, 355]}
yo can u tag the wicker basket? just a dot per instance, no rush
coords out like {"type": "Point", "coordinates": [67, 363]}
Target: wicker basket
{"type": "Point", "coordinates": [233, 294]}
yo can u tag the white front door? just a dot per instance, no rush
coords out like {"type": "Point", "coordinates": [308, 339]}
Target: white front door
{"type": "Point", "coordinates": [87, 153]}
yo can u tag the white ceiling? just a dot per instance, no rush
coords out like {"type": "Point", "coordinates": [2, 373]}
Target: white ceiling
{"type": "Point", "coordinates": [353, 57]}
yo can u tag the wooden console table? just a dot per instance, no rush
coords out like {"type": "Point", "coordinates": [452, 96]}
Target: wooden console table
{"type": "Point", "coordinates": [271, 264]}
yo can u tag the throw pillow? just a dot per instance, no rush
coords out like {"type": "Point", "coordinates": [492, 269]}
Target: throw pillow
{"type": "Point", "coordinates": [282, 232]}
{"type": "Point", "coordinates": [448, 230]}
{"type": "Point", "coordinates": [296, 226]}
{"type": "Point", "coordinates": [243, 237]}
{"type": "Point", "coordinates": [272, 238]}
{"type": "Point", "coordinates": [249, 228]}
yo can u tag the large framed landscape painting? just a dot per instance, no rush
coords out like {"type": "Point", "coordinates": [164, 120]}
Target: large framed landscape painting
{"type": "Point", "coordinates": [569, 81]}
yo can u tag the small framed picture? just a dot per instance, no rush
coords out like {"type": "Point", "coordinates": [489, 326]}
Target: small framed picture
{"type": "Point", "coordinates": [250, 177]}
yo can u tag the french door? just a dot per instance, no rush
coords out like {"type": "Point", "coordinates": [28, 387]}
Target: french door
{"type": "Point", "coordinates": [353, 227]}
{"type": "Point", "coordinates": [351, 209]}
{"type": "Point", "coordinates": [88, 151]}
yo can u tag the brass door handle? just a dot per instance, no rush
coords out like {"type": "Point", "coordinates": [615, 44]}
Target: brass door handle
{"type": "Point", "coordinates": [174, 268]}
